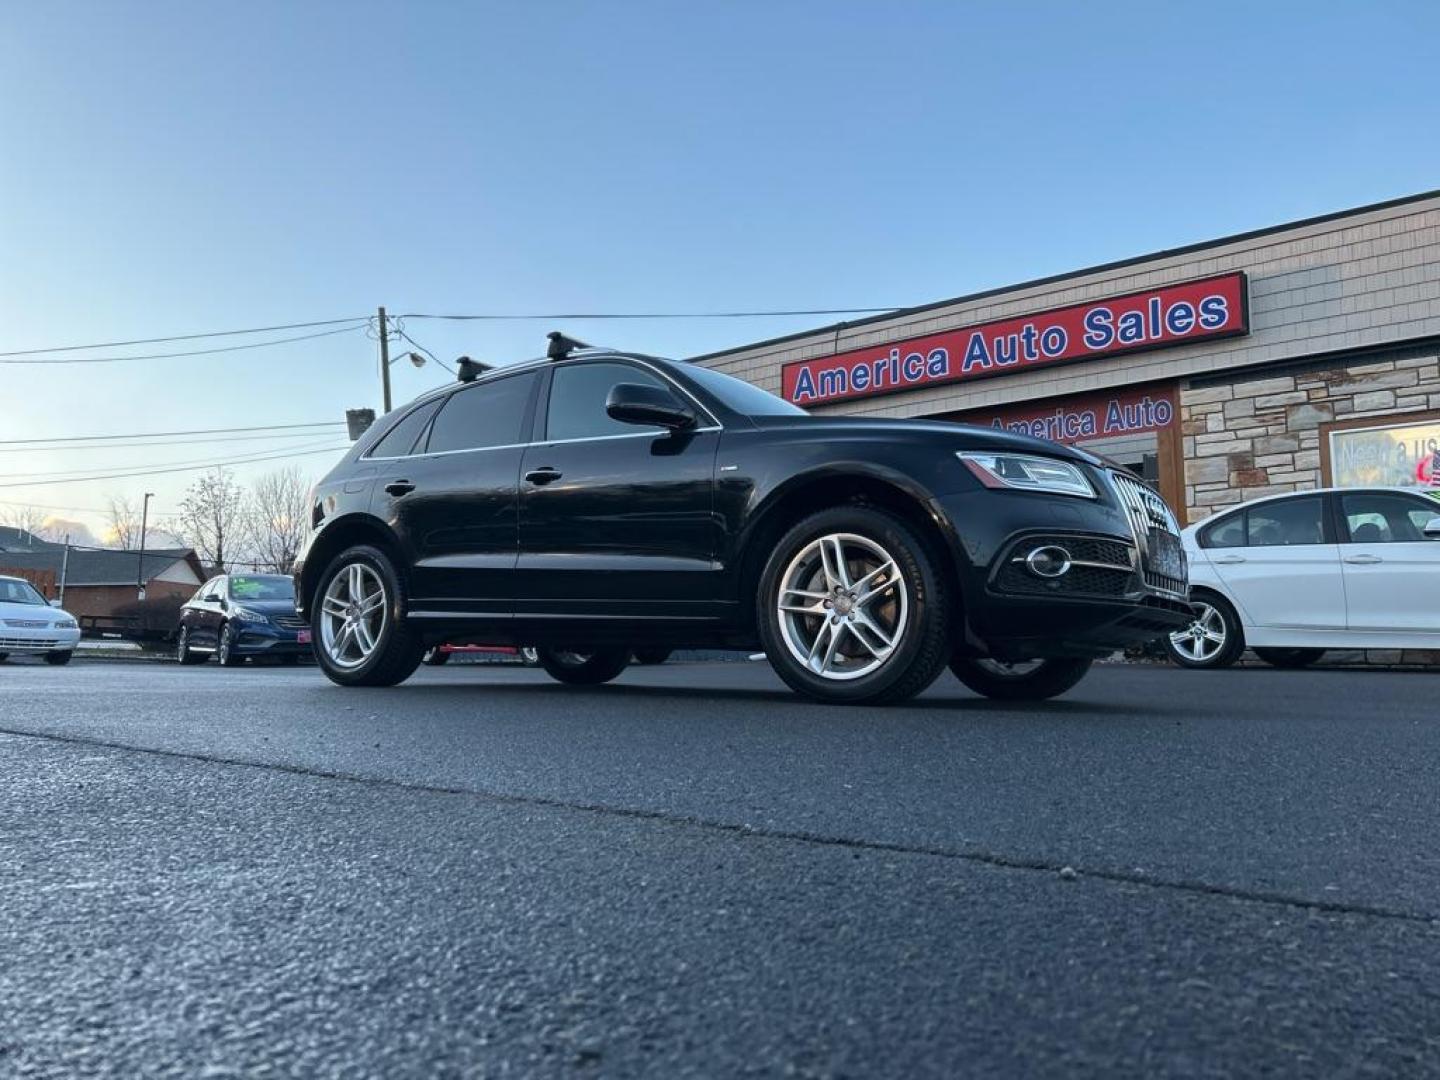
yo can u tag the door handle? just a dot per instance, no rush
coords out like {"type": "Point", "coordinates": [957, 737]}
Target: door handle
{"type": "Point", "coordinates": [543, 476]}
{"type": "Point", "coordinates": [1229, 560]}
{"type": "Point", "coordinates": [1363, 560]}
{"type": "Point", "coordinates": [399, 487]}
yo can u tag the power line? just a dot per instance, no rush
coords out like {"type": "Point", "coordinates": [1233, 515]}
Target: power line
{"type": "Point", "coordinates": [657, 315]}
{"type": "Point", "coordinates": [186, 468]}
{"type": "Point", "coordinates": [166, 434]}
{"type": "Point", "coordinates": [41, 477]}
{"type": "Point", "coordinates": [192, 352]}
{"type": "Point", "coordinates": [52, 506]}
{"type": "Point", "coordinates": [136, 445]}
{"type": "Point", "coordinates": [187, 337]}
{"type": "Point", "coordinates": [401, 331]}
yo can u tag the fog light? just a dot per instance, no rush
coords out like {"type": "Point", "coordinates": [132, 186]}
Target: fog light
{"type": "Point", "coordinates": [1048, 562]}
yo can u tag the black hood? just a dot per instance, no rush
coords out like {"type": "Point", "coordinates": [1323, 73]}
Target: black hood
{"type": "Point", "coordinates": [959, 436]}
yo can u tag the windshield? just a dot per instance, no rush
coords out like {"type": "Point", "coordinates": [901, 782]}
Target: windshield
{"type": "Point", "coordinates": [741, 396]}
{"type": "Point", "coordinates": [14, 591]}
{"type": "Point", "coordinates": [262, 587]}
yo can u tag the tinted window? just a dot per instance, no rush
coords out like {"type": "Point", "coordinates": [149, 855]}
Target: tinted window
{"type": "Point", "coordinates": [487, 414]}
{"type": "Point", "coordinates": [1228, 532]}
{"type": "Point", "coordinates": [1290, 521]}
{"type": "Point", "coordinates": [577, 400]}
{"type": "Point", "coordinates": [400, 439]}
{"type": "Point", "coordinates": [1382, 517]}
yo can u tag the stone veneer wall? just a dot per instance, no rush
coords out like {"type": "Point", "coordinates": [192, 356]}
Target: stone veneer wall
{"type": "Point", "coordinates": [1247, 439]}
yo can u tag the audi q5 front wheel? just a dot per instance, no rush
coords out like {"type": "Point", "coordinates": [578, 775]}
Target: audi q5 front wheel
{"type": "Point", "coordinates": [853, 608]}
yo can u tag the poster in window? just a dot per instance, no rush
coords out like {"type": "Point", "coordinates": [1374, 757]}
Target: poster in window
{"type": "Point", "coordinates": [1395, 455]}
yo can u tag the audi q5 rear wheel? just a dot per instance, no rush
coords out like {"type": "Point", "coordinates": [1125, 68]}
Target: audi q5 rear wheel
{"type": "Point", "coordinates": [853, 608]}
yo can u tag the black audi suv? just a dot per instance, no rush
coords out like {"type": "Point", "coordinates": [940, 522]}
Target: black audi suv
{"type": "Point", "coordinates": [594, 503]}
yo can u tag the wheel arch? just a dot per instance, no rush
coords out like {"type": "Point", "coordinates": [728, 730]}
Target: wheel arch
{"type": "Point", "coordinates": [844, 484]}
{"type": "Point", "coordinates": [336, 536]}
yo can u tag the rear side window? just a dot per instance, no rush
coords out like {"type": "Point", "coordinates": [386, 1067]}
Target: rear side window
{"type": "Point", "coordinates": [400, 440]}
{"type": "Point", "coordinates": [1277, 524]}
{"type": "Point", "coordinates": [577, 400]}
{"type": "Point", "coordinates": [486, 414]}
{"type": "Point", "coordinates": [1285, 523]}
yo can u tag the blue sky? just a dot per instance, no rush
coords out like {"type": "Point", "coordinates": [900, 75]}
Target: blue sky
{"type": "Point", "coordinates": [181, 167]}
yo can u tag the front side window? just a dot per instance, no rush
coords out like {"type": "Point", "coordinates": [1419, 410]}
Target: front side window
{"type": "Point", "coordinates": [1285, 523]}
{"type": "Point", "coordinates": [400, 440]}
{"type": "Point", "coordinates": [1385, 517]}
{"type": "Point", "coordinates": [16, 591]}
{"type": "Point", "coordinates": [487, 414]}
{"type": "Point", "coordinates": [577, 400]}
{"type": "Point", "coordinates": [1225, 533]}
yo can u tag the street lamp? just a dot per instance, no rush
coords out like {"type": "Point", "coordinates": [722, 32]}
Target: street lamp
{"type": "Point", "coordinates": [140, 567]}
{"type": "Point", "coordinates": [385, 361]}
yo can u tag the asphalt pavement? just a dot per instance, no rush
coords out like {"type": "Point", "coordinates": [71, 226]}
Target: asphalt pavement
{"type": "Point", "coordinates": [691, 872]}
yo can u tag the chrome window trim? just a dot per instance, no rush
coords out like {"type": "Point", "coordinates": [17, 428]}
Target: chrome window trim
{"type": "Point", "coordinates": [545, 442]}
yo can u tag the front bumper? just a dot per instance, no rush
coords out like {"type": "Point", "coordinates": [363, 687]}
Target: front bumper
{"type": "Point", "coordinates": [265, 639]}
{"type": "Point", "coordinates": [20, 639]}
{"type": "Point", "coordinates": [1110, 600]}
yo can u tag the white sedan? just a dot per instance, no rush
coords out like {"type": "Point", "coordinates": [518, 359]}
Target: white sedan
{"type": "Point", "coordinates": [1293, 575]}
{"type": "Point", "coordinates": [30, 625]}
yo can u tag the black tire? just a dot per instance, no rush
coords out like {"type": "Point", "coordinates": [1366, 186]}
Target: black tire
{"type": "Point", "coordinates": [652, 655]}
{"type": "Point", "coordinates": [919, 645]}
{"type": "Point", "coordinates": [225, 648]}
{"type": "Point", "coordinates": [1289, 658]}
{"type": "Point", "coordinates": [435, 656]}
{"type": "Point", "coordinates": [589, 668]}
{"type": "Point", "coordinates": [398, 649]}
{"type": "Point", "coordinates": [1215, 614]}
{"type": "Point", "coordinates": [58, 658]}
{"type": "Point", "coordinates": [182, 649]}
{"type": "Point", "coordinates": [1047, 679]}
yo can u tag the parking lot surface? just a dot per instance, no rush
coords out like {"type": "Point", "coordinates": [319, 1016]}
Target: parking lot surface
{"type": "Point", "coordinates": [693, 872]}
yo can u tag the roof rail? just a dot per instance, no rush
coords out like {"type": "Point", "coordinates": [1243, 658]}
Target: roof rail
{"type": "Point", "coordinates": [561, 346]}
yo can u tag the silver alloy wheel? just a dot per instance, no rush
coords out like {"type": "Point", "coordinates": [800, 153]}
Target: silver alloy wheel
{"type": "Point", "coordinates": [353, 616]}
{"type": "Point", "coordinates": [1203, 639]}
{"type": "Point", "coordinates": [843, 606]}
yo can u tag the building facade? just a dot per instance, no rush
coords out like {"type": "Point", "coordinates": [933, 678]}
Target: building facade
{"type": "Point", "coordinates": [1293, 357]}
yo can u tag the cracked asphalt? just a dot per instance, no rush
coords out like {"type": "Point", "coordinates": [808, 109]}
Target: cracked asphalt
{"type": "Point", "coordinates": [693, 873]}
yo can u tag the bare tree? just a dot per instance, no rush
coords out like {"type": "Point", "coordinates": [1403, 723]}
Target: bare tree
{"type": "Point", "coordinates": [276, 517]}
{"type": "Point", "coordinates": [29, 519]}
{"type": "Point", "coordinates": [124, 523]}
{"type": "Point", "coordinates": [210, 517]}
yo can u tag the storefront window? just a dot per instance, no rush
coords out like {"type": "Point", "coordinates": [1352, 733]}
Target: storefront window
{"type": "Point", "coordinates": [1386, 454]}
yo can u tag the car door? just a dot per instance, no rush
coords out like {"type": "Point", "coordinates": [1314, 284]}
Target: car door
{"type": "Point", "coordinates": [192, 615]}
{"type": "Point", "coordinates": [1392, 572]}
{"type": "Point", "coordinates": [209, 615]}
{"type": "Point", "coordinates": [452, 502]}
{"type": "Point", "coordinates": [616, 518]}
{"type": "Point", "coordinates": [1279, 564]}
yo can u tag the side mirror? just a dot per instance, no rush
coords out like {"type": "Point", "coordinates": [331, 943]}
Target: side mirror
{"type": "Point", "coordinates": [634, 403]}
{"type": "Point", "coordinates": [56, 601]}
{"type": "Point", "coordinates": [1432, 528]}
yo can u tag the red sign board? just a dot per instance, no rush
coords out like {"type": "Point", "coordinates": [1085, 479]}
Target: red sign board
{"type": "Point", "coordinates": [1084, 417]}
{"type": "Point", "coordinates": [1169, 315]}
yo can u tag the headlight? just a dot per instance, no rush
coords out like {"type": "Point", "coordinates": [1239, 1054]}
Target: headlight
{"type": "Point", "coordinates": [244, 614]}
{"type": "Point", "coordinates": [65, 624]}
{"type": "Point", "coordinates": [1026, 472]}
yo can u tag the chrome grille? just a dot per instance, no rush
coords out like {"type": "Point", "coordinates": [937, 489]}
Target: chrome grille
{"type": "Point", "coordinates": [1150, 519]}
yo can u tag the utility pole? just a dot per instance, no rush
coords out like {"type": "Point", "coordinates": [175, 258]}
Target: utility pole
{"type": "Point", "coordinates": [140, 563]}
{"type": "Point", "coordinates": [385, 357]}
{"type": "Point", "coordinates": [64, 568]}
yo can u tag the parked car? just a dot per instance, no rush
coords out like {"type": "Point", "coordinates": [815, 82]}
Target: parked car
{"type": "Point", "coordinates": [1293, 575]}
{"type": "Point", "coordinates": [29, 624]}
{"type": "Point", "coordinates": [234, 617]}
{"type": "Point", "coordinates": [595, 503]}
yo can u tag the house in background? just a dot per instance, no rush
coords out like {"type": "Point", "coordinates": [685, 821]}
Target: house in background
{"type": "Point", "coordinates": [100, 581]}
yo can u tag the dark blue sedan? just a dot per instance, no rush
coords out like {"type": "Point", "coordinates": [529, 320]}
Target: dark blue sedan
{"type": "Point", "coordinates": [239, 616]}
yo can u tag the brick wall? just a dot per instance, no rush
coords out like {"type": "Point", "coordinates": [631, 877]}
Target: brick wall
{"type": "Point", "coordinates": [1262, 436]}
